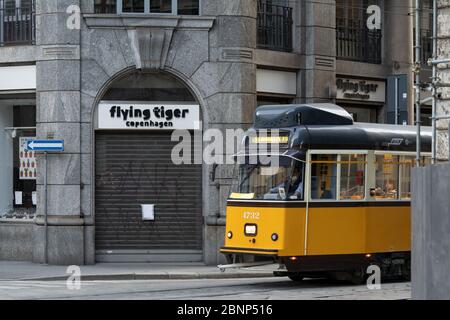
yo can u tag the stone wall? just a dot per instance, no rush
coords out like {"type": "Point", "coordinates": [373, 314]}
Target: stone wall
{"type": "Point", "coordinates": [16, 241]}
{"type": "Point", "coordinates": [443, 107]}
{"type": "Point", "coordinates": [212, 54]}
{"type": "Point", "coordinates": [318, 29]}
{"type": "Point", "coordinates": [430, 228]}
{"type": "Point", "coordinates": [58, 117]}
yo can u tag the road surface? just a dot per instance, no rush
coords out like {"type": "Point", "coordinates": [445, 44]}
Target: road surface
{"type": "Point", "coordinates": [215, 289]}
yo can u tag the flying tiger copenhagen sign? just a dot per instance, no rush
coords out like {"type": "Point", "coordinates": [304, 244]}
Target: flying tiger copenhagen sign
{"type": "Point", "coordinates": [140, 116]}
{"type": "Point", "coordinates": [361, 90]}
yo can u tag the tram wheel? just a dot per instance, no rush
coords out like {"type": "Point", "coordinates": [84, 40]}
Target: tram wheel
{"type": "Point", "coordinates": [229, 258]}
{"type": "Point", "coordinates": [357, 277]}
{"type": "Point", "coordinates": [406, 271]}
{"type": "Point", "coordinates": [296, 277]}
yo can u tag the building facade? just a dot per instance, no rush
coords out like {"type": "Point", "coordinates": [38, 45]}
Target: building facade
{"type": "Point", "coordinates": [443, 72]}
{"type": "Point", "coordinates": [114, 78]}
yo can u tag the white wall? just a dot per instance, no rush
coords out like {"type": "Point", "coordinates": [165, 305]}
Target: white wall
{"type": "Point", "coordinates": [6, 157]}
{"type": "Point", "coordinates": [276, 82]}
{"type": "Point", "coordinates": [17, 78]}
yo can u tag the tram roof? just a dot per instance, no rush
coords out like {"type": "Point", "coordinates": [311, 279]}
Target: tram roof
{"type": "Point", "coordinates": [328, 126]}
{"type": "Point", "coordinates": [362, 136]}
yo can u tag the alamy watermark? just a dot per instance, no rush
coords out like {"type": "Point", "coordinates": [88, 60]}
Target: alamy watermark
{"type": "Point", "coordinates": [374, 280]}
{"type": "Point", "coordinates": [73, 21]}
{"type": "Point", "coordinates": [228, 146]}
{"type": "Point", "coordinates": [73, 282]}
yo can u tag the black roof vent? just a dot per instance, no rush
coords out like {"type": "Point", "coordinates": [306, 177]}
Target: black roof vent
{"type": "Point", "coordinates": [286, 116]}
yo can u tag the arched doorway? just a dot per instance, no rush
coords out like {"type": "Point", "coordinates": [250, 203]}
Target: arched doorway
{"type": "Point", "coordinates": [147, 209]}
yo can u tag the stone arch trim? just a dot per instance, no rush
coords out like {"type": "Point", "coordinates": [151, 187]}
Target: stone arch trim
{"type": "Point", "coordinates": [173, 72]}
{"type": "Point", "coordinates": [195, 92]}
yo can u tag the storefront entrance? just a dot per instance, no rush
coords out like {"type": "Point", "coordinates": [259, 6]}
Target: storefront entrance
{"type": "Point", "coordinates": [362, 113]}
{"type": "Point", "coordinates": [147, 209]}
{"type": "Point", "coordinates": [364, 99]}
{"type": "Point", "coordinates": [135, 169]}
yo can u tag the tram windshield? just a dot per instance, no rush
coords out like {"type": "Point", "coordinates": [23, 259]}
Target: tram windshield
{"type": "Point", "coordinates": [260, 182]}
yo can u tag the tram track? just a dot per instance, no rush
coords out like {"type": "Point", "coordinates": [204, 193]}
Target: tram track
{"type": "Point", "coordinates": [257, 289]}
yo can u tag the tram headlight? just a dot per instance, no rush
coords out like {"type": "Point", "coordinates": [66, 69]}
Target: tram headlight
{"type": "Point", "coordinates": [251, 230]}
{"type": "Point", "coordinates": [229, 235]}
{"type": "Point", "coordinates": [275, 237]}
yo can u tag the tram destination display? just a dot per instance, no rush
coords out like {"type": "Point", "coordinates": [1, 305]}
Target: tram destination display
{"type": "Point", "coordinates": [139, 116]}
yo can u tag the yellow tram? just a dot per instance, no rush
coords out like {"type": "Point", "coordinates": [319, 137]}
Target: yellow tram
{"type": "Point", "coordinates": [337, 200]}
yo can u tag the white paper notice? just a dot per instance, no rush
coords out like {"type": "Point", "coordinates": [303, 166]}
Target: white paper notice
{"type": "Point", "coordinates": [148, 212]}
{"type": "Point", "coordinates": [18, 198]}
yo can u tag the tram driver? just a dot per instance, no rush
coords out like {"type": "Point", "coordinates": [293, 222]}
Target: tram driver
{"type": "Point", "coordinates": [296, 188]}
{"type": "Point", "coordinates": [293, 185]}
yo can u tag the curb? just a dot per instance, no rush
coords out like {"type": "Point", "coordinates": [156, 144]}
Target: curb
{"type": "Point", "coordinates": [159, 276]}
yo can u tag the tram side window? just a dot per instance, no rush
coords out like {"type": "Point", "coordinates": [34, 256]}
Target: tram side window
{"type": "Point", "coordinates": [426, 161]}
{"type": "Point", "coordinates": [405, 165]}
{"type": "Point", "coordinates": [387, 177]}
{"type": "Point", "coordinates": [353, 169]}
{"type": "Point", "coordinates": [323, 177]}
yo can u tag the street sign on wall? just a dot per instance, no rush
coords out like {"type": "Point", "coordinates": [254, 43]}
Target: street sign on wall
{"type": "Point", "coordinates": [45, 145]}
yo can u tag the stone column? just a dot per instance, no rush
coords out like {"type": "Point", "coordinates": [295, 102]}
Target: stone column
{"type": "Point", "coordinates": [229, 88]}
{"type": "Point", "coordinates": [58, 117]}
{"type": "Point", "coordinates": [431, 241]}
{"type": "Point", "coordinates": [318, 31]}
{"type": "Point", "coordinates": [443, 106]}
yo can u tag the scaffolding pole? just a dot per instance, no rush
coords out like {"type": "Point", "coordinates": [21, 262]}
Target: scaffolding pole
{"type": "Point", "coordinates": [418, 50]}
{"type": "Point", "coordinates": [434, 90]}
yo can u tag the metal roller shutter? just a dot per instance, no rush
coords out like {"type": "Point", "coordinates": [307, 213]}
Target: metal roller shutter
{"type": "Point", "coordinates": [134, 169]}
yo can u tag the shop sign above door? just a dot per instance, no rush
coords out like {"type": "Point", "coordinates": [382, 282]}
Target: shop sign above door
{"type": "Point", "coordinates": [360, 90]}
{"type": "Point", "coordinates": [140, 116]}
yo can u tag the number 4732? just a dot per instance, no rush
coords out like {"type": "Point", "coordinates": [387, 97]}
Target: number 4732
{"type": "Point", "coordinates": [251, 215]}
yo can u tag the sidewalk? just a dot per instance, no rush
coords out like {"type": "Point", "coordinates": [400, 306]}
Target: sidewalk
{"type": "Point", "coordinates": [129, 271]}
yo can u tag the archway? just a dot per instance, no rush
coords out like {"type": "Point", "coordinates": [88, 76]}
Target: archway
{"type": "Point", "coordinates": [147, 209]}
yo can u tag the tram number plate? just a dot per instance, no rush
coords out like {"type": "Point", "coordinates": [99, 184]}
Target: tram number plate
{"type": "Point", "coordinates": [251, 215]}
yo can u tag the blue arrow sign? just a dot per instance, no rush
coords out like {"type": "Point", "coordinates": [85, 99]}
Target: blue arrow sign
{"type": "Point", "coordinates": [45, 145]}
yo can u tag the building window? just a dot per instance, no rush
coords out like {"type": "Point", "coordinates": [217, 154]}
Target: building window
{"type": "Point", "coordinates": [275, 23]}
{"type": "Point", "coordinates": [189, 7]}
{"type": "Point", "coordinates": [273, 100]}
{"type": "Point", "coordinates": [18, 182]}
{"type": "Point", "coordinates": [175, 7]}
{"type": "Point", "coordinates": [145, 86]}
{"type": "Point", "coordinates": [425, 115]}
{"type": "Point", "coordinates": [354, 40]}
{"type": "Point", "coordinates": [133, 6]}
{"type": "Point", "coordinates": [426, 31]}
{"type": "Point", "coordinates": [105, 6]}
{"type": "Point", "coordinates": [161, 6]}
{"type": "Point", "coordinates": [17, 22]}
